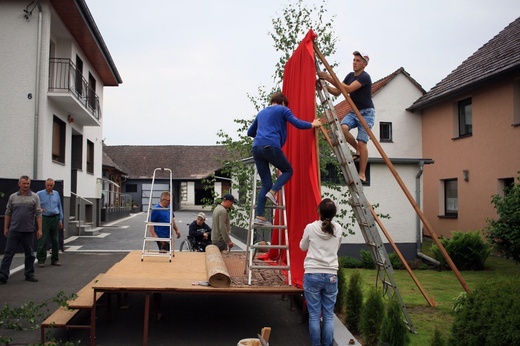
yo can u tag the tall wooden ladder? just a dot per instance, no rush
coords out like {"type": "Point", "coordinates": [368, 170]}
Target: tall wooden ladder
{"type": "Point", "coordinates": [279, 222]}
{"type": "Point", "coordinates": [360, 206]}
{"type": "Point", "coordinates": [148, 239]}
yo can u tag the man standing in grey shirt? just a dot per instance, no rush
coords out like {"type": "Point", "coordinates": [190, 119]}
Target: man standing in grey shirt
{"type": "Point", "coordinates": [220, 224]}
{"type": "Point", "coordinates": [23, 209]}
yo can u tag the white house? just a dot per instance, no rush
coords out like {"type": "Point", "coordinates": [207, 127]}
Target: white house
{"type": "Point", "coordinates": [54, 67]}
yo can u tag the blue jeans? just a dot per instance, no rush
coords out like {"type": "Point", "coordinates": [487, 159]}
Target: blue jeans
{"type": "Point", "coordinates": [265, 155]}
{"type": "Point", "coordinates": [320, 291]}
{"type": "Point", "coordinates": [13, 239]}
{"type": "Point", "coordinates": [352, 121]}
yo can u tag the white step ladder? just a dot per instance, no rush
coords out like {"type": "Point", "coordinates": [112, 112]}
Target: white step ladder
{"type": "Point", "coordinates": [280, 223]}
{"type": "Point", "coordinates": [360, 206]}
{"type": "Point", "coordinates": [148, 238]}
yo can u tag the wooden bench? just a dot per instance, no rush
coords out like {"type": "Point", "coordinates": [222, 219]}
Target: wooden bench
{"type": "Point", "coordinates": [62, 317]}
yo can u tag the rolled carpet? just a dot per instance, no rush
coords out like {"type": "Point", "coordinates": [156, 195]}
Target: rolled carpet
{"type": "Point", "coordinates": [218, 274]}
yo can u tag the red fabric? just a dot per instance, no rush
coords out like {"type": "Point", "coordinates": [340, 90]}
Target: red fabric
{"type": "Point", "coordinates": [302, 192]}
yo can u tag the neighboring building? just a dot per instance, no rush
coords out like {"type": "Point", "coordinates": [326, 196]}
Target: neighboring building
{"type": "Point", "coordinates": [54, 67]}
{"type": "Point", "coordinates": [189, 166]}
{"type": "Point", "coordinates": [114, 203]}
{"type": "Point", "coordinates": [399, 133]}
{"type": "Point", "coordinates": [471, 128]}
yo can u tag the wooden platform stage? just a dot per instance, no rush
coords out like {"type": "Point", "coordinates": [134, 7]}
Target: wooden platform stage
{"type": "Point", "coordinates": [155, 275]}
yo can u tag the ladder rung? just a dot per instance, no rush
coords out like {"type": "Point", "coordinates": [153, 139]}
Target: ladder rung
{"type": "Point", "coordinates": [156, 239]}
{"type": "Point", "coordinates": [269, 247]}
{"type": "Point", "coordinates": [282, 227]}
{"type": "Point", "coordinates": [280, 207]}
{"type": "Point", "coordinates": [159, 224]}
{"type": "Point", "coordinates": [269, 267]}
{"type": "Point", "coordinates": [388, 283]}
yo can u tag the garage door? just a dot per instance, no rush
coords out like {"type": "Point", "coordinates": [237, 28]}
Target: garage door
{"type": "Point", "coordinates": [155, 195]}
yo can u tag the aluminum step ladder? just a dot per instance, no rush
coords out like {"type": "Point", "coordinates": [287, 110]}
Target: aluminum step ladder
{"type": "Point", "coordinates": [148, 239]}
{"type": "Point", "coordinates": [360, 206]}
{"type": "Point", "coordinates": [279, 222]}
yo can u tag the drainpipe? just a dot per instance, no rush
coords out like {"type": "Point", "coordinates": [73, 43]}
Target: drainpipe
{"type": "Point", "coordinates": [418, 225]}
{"type": "Point", "coordinates": [37, 91]}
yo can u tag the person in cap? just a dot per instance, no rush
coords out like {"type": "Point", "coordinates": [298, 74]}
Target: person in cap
{"type": "Point", "coordinates": [269, 130]}
{"type": "Point", "coordinates": [201, 232]}
{"type": "Point", "coordinates": [359, 85]}
{"type": "Point", "coordinates": [221, 225]}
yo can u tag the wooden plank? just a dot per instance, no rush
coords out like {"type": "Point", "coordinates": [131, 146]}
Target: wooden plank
{"type": "Point", "coordinates": [84, 299]}
{"type": "Point", "coordinates": [60, 318]}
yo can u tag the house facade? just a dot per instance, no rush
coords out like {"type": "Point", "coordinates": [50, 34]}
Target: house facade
{"type": "Point", "coordinates": [471, 128]}
{"type": "Point", "coordinates": [399, 133]}
{"type": "Point", "coordinates": [55, 65]}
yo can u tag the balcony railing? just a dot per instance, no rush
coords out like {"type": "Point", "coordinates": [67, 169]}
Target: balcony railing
{"type": "Point", "coordinates": [63, 76]}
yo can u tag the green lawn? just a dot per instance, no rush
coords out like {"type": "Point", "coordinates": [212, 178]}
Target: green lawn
{"type": "Point", "coordinates": [443, 287]}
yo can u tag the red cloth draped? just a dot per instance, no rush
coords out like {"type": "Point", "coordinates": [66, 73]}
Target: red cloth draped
{"type": "Point", "coordinates": [302, 192]}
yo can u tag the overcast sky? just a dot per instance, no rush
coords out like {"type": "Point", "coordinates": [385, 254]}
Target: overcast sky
{"type": "Point", "coordinates": [187, 66]}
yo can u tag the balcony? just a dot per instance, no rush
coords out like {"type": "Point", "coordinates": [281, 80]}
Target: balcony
{"type": "Point", "coordinates": [69, 89]}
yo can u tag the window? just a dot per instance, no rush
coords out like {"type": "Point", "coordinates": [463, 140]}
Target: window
{"type": "Point", "coordinates": [505, 185]}
{"type": "Point", "coordinates": [465, 118]}
{"type": "Point", "coordinates": [58, 140]}
{"type": "Point", "coordinates": [79, 76]}
{"type": "Point", "coordinates": [385, 132]}
{"type": "Point", "coordinates": [451, 207]}
{"type": "Point", "coordinates": [131, 188]}
{"type": "Point", "coordinates": [92, 91]}
{"type": "Point", "coordinates": [332, 174]}
{"type": "Point", "coordinates": [90, 157]}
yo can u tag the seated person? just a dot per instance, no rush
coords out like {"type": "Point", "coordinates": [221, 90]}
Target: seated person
{"type": "Point", "coordinates": [201, 232]}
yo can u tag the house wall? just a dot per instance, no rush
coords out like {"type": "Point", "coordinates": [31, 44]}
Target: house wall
{"type": "Point", "coordinates": [387, 194]}
{"type": "Point", "coordinates": [390, 104]}
{"type": "Point", "coordinates": [490, 154]}
{"type": "Point", "coordinates": [18, 71]}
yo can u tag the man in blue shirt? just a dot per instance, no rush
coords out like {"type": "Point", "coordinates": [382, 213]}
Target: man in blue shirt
{"type": "Point", "coordinates": [269, 130]}
{"type": "Point", "coordinates": [161, 214]}
{"type": "Point", "coordinates": [52, 213]}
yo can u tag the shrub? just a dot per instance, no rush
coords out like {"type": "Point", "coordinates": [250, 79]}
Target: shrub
{"type": "Point", "coordinates": [467, 250]}
{"type": "Point", "coordinates": [489, 315]}
{"type": "Point", "coordinates": [395, 261]}
{"type": "Point", "coordinates": [437, 339]}
{"type": "Point", "coordinates": [372, 315]}
{"type": "Point", "coordinates": [342, 292]}
{"type": "Point", "coordinates": [504, 233]}
{"type": "Point", "coordinates": [354, 302]}
{"type": "Point", "coordinates": [367, 261]}
{"type": "Point", "coordinates": [349, 262]}
{"type": "Point", "coordinates": [393, 330]}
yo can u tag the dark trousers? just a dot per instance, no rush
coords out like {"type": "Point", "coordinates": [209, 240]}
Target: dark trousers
{"type": "Point", "coordinates": [51, 231]}
{"type": "Point", "coordinates": [13, 239]}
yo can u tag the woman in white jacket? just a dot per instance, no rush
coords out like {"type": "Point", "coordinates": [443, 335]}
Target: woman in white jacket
{"type": "Point", "coordinates": [321, 239]}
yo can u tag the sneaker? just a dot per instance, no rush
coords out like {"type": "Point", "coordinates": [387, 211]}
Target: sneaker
{"type": "Point", "coordinates": [31, 278]}
{"type": "Point", "coordinates": [271, 197]}
{"type": "Point", "coordinates": [3, 280]}
{"type": "Point", "coordinates": [260, 222]}
{"type": "Point", "coordinates": [56, 263]}
{"type": "Point", "coordinates": [41, 265]}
